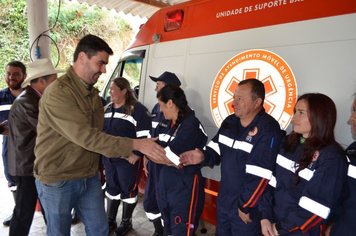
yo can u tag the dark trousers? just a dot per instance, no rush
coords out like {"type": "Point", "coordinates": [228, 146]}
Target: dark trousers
{"type": "Point", "coordinates": [26, 198]}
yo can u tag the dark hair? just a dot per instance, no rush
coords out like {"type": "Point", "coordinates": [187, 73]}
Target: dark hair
{"type": "Point", "coordinates": [322, 117]}
{"type": "Point", "coordinates": [257, 88]}
{"type": "Point", "coordinates": [91, 45]}
{"type": "Point", "coordinates": [176, 94]}
{"type": "Point", "coordinates": [130, 99]}
{"type": "Point", "coordinates": [46, 77]}
{"type": "Point", "coordinates": [18, 64]}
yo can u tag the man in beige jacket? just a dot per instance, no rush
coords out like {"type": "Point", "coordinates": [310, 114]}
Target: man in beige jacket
{"type": "Point", "coordinates": [70, 141]}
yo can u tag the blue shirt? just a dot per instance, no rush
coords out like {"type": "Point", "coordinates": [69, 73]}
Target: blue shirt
{"type": "Point", "coordinates": [6, 100]}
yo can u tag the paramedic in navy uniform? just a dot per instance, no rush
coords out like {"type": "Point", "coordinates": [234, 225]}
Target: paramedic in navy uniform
{"type": "Point", "coordinates": [124, 117]}
{"type": "Point", "coordinates": [246, 145]}
{"type": "Point", "coordinates": [181, 189]}
{"type": "Point", "coordinates": [345, 225]}
{"type": "Point", "coordinates": [310, 171]}
{"type": "Point", "coordinates": [152, 169]}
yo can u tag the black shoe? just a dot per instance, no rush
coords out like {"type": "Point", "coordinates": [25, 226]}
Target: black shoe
{"type": "Point", "coordinates": [112, 226]}
{"type": "Point", "coordinates": [124, 228]}
{"type": "Point", "coordinates": [157, 224]}
{"type": "Point", "coordinates": [157, 234]}
{"type": "Point", "coordinates": [7, 221]}
{"type": "Point", "coordinates": [75, 218]}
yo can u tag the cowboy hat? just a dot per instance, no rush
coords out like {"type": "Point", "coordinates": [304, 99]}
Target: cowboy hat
{"type": "Point", "coordinates": [37, 69]}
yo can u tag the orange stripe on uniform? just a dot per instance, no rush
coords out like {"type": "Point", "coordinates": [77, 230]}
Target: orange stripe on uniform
{"type": "Point", "coordinates": [261, 186]}
{"type": "Point", "coordinates": [211, 192]}
{"type": "Point", "coordinates": [308, 222]}
{"type": "Point", "coordinates": [191, 205]}
{"type": "Point", "coordinates": [260, 193]}
{"type": "Point", "coordinates": [317, 221]}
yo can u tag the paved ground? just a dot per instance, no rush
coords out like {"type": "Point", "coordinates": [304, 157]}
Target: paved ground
{"type": "Point", "coordinates": [142, 227]}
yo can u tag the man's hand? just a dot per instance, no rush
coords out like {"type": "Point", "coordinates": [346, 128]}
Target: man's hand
{"type": "Point", "coordinates": [149, 147]}
{"type": "Point", "coordinates": [328, 230]}
{"type": "Point", "coordinates": [267, 228]}
{"type": "Point", "coordinates": [145, 165]}
{"type": "Point", "coordinates": [192, 157]}
{"type": "Point", "coordinates": [244, 217]}
{"type": "Point", "coordinates": [133, 158]}
{"type": "Point", "coordinates": [4, 128]}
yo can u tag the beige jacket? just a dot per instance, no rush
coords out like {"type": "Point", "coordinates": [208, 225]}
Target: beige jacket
{"type": "Point", "coordinates": [69, 132]}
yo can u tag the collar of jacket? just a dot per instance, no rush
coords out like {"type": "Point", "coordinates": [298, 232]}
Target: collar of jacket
{"type": "Point", "coordinates": [80, 84]}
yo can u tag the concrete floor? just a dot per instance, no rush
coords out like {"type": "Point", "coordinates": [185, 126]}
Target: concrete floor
{"type": "Point", "coordinates": [141, 225]}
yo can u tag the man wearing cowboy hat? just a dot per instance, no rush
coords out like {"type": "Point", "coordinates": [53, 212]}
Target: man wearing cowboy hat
{"type": "Point", "coordinates": [23, 119]}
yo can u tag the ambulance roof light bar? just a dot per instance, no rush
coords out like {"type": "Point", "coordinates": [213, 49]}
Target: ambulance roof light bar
{"type": "Point", "coordinates": [173, 20]}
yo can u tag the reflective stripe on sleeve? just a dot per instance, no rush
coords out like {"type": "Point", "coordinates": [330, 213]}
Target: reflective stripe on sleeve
{"type": "Point", "coordinates": [245, 146]}
{"type": "Point", "coordinates": [290, 165]}
{"type": "Point", "coordinates": [226, 140]}
{"type": "Point", "coordinates": [172, 156]}
{"type": "Point", "coordinates": [164, 137]}
{"type": "Point", "coordinates": [351, 171]}
{"type": "Point", "coordinates": [314, 207]}
{"type": "Point", "coordinates": [5, 107]}
{"type": "Point", "coordinates": [122, 116]}
{"type": "Point", "coordinates": [259, 171]}
{"type": "Point", "coordinates": [154, 124]}
{"type": "Point", "coordinates": [125, 117]}
{"type": "Point", "coordinates": [306, 173]}
{"type": "Point", "coordinates": [273, 181]}
{"type": "Point", "coordinates": [214, 146]}
{"type": "Point", "coordinates": [143, 133]}
{"type": "Point", "coordinates": [241, 145]}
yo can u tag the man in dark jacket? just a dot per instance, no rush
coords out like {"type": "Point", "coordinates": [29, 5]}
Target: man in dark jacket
{"type": "Point", "coordinates": [15, 75]}
{"type": "Point", "coordinates": [23, 119]}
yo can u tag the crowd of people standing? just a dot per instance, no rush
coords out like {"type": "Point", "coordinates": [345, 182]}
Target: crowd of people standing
{"type": "Point", "coordinates": [60, 135]}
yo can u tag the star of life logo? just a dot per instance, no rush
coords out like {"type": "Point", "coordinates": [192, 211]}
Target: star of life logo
{"type": "Point", "coordinates": [266, 66]}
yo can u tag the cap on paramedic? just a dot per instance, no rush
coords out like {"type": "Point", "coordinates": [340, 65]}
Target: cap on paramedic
{"type": "Point", "coordinates": [168, 78]}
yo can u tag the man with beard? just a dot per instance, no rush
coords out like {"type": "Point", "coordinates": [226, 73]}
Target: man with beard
{"type": "Point", "coordinates": [15, 75]}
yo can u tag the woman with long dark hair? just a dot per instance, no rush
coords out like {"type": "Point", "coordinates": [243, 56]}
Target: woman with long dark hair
{"type": "Point", "coordinates": [124, 117]}
{"type": "Point", "coordinates": [180, 189]}
{"type": "Point", "coordinates": [309, 174]}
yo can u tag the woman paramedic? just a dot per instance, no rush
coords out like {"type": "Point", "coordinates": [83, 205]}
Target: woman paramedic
{"type": "Point", "coordinates": [180, 189]}
{"type": "Point", "coordinates": [310, 171]}
{"type": "Point", "coordinates": [124, 117]}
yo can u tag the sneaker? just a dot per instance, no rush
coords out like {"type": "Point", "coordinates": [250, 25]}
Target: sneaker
{"type": "Point", "coordinates": [124, 227]}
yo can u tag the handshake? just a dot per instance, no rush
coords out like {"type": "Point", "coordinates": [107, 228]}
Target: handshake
{"type": "Point", "coordinates": [4, 129]}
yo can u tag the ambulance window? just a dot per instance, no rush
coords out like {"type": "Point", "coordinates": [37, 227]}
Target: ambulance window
{"type": "Point", "coordinates": [131, 70]}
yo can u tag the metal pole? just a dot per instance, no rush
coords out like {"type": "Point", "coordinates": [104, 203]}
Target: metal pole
{"type": "Point", "coordinates": [37, 14]}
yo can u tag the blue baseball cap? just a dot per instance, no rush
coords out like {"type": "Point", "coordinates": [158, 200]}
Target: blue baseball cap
{"type": "Point", "coordinates": [168, 78]}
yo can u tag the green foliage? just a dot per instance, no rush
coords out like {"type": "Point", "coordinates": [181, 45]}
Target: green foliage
{"type": "Point", "coordinates": [14, 34]}
{"type": "Point", "coordinates": [74, 21]}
